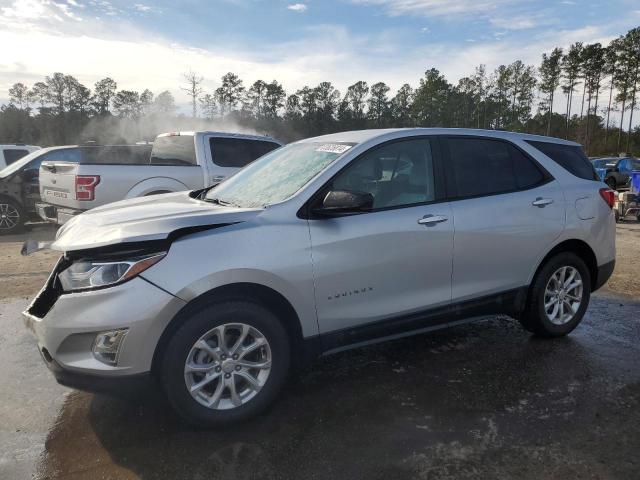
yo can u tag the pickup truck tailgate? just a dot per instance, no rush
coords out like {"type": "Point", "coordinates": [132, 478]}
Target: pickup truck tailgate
{"type": "Point", "coordinates": [58, 183]}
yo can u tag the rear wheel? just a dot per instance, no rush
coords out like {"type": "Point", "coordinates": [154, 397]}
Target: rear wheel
{"type": "Point", "coordinates": [11, 217]}
{"type": "Point", "coordinates": [558, 297]}
{"type": "Point", "coordinates": [226, 363]}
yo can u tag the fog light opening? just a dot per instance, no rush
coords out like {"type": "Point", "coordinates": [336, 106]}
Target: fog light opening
{"type": "Point", "coordinates": [107, 345]}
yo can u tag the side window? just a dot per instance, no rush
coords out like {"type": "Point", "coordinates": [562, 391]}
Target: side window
{"type": "Point", "coordinates": [259, 148]}
{"type": "Point", "coordinates": [397, 174]}
{"type": "Point", "coordinates": [528, 175]}
{"type": "Point", "coordinates": [624, 166]}
{"type": "Point", "coordinates": [238, 152]}
{"type": "Point", "coordinates": [486, 167]}
{"type": "Point", "coordinates": [570, 157]}
{"type": "Point", "coordinates": [230, 152]}
{"type": "Point", "coordinates": [13, 154]}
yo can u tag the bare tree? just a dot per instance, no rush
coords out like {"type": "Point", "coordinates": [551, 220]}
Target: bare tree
{"type": "Point", "coordinates": [19, 96]}
{"type": "Point", "coordinates": [193, 89]}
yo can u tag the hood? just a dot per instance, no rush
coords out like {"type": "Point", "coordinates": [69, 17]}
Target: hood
{"type": "Point", "coordinates": [143, 219]}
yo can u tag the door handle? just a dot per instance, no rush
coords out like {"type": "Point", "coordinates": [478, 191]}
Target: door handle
{"type": "Point", "coordinates": [541, 202]}
{"type": "Point", "coordinates": [431, 220]}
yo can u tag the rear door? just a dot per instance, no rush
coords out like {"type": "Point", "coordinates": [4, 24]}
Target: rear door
{"type": "Point", "coordinates": [508, 210]}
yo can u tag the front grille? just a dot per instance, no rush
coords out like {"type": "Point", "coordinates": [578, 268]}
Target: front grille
{"type": "Point", "coordinates": [50, 293]}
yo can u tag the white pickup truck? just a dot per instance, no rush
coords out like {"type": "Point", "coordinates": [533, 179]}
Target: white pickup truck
{"type": "Point", "coordinates": [179, 161]}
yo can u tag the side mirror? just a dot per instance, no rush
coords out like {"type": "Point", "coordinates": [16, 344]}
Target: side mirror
{"type": "Point", "coordinates": [338, 202]}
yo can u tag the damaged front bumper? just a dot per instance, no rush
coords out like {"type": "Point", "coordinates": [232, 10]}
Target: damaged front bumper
{"type": "Point", "coordinates": [66, 326]}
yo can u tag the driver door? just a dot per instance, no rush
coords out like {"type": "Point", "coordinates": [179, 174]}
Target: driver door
{"type": "Point", "coordinates": [394, 260]}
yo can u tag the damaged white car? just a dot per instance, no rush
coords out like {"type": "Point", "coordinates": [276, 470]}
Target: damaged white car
{"type": "Point", "coordinates": [322, 245]}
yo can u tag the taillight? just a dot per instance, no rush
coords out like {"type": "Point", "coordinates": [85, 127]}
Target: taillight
{"type": "Point", "coordinates": [86, 186]}
{"type": "Point", "coordinates": [609, 196]}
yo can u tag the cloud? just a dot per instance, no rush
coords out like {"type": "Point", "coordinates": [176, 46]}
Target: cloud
{"type": "Point", "coordinates": [141, 7]}
{"type": "Point", "coordinates": [297, 7]}
{"type": "Point", "coordinates": [523, 22]}
{"type": "Point", "coordinates": [434, 8]}
{"type": "Point", "coordinates": [35, 13]}
{"type": "Point", "coordinates": [137, 59]}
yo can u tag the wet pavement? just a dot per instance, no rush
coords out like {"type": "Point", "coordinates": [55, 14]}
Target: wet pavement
{"type": "Point", "coordinates": [484, 400]}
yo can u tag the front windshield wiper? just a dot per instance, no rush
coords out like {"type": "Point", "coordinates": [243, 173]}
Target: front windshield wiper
{"type": "Point", "coordinates": [219, 201]}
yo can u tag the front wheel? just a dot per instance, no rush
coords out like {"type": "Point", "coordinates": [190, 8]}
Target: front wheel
{"type": "Point", "coordinates": [558, 297]}
{"type": "Point", "coordinates": [226, 363]}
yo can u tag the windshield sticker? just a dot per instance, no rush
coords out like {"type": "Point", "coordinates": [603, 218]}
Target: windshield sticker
{"type": "Point", "coordinates": [333, 148]}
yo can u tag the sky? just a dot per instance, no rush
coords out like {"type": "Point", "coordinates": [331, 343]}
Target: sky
{"type": "Point", "coordinates": [144, 44]}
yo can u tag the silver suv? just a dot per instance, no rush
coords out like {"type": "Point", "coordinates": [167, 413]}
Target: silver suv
{"type": "Point", "coordinates": [324, 244]}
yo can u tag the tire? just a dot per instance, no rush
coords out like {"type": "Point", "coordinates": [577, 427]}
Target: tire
{"type": "Point", "coordinates": [611, 182]}
{"type": "Point", "coordinates": [227, 317]}
{"type": "Point", "coordinates": [536, 318]}
{"type": "Point", "coordinates": [12, 217]}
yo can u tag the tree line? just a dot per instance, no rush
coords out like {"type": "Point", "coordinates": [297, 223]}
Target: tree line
{"type": "Point", "coordinates": [598, 86]}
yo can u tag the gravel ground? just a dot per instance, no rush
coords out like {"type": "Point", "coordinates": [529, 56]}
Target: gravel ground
{"type": "Point", "coordinates": [21, 277]}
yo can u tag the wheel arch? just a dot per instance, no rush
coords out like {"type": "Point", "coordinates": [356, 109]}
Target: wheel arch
{"type": "Point", "coordinates": [155, 184]}
{"type": "Point", "coordinates": [11, 198]}
{"type": "Point", "coordinates": [245, 291]}
{"type": "Point", "coordinates": [581, 249]}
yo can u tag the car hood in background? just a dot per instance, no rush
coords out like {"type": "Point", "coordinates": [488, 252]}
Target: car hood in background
{"type": "Point", "coordinates": [143, 219]}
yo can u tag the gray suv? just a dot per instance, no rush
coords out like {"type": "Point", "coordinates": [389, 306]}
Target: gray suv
{"type": "Point", "coordinates": [321, 245]}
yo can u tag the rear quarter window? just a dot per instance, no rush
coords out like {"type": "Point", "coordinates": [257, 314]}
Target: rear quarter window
{"type": "Point", "coordinates": [570, 157]}
{"type": "Point", "coordinates": [238, 152]}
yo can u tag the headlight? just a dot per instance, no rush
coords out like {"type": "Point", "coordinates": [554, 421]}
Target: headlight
{"type": "Point", "coordinates": [88, 274]}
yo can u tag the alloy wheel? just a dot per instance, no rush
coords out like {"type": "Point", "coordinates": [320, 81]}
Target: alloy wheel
{"type": "Point", "coordinates": [227, 366]}
{"type": "Point", "coordinates": [563, 295]}
{"type": "Point", "coordinates": [9, 216]}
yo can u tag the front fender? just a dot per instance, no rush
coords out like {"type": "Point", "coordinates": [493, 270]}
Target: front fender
{"type": "Point", "coordinates": [263, 278]}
